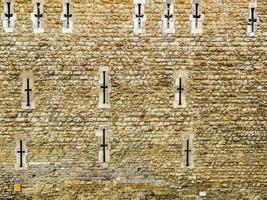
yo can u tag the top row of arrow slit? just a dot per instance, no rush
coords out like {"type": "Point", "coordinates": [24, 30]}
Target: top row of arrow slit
{"type": "Point", "coordinates": [139, 18]}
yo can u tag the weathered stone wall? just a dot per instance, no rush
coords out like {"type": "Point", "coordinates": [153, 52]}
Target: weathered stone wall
{"type": "Point", "coordinates": [226, 103]}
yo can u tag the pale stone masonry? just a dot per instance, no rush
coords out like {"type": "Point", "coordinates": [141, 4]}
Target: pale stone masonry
{"type": "Point", "coordinates": [221, 132]}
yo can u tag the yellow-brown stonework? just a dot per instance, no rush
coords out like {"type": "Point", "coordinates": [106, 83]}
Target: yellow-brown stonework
{"type": "Point", "coordinates": [226, 103]}
{"type": "Point", "coordinates": [17, 187]}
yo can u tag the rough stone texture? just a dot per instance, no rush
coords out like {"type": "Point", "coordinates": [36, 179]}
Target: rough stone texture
{"type": "Point", "coordinates": [226, 103]}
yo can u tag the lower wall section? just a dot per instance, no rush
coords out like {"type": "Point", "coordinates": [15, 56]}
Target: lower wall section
{"type": "Point", "coordinates": [79, 189]}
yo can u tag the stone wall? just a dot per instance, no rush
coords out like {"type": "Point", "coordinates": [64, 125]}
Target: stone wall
{"type": "Point", "coordinates": [226, 103]}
